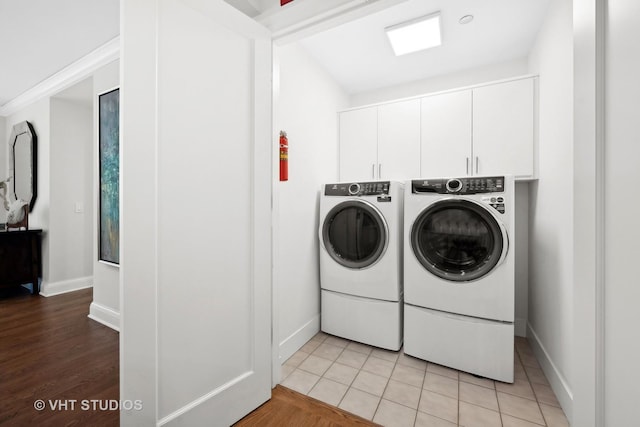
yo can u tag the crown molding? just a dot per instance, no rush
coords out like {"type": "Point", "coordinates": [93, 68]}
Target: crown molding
{"type": "Point", "coordinates": [66, 77]}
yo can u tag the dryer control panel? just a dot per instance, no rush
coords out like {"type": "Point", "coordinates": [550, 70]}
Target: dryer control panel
{"type": "Point", "coordinates": [466, 185]}
{"type": "Point", "coordinates": [378, 188]}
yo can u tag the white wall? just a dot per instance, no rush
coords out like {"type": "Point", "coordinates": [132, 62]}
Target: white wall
{"type": "Point", "coordinates": [64, 132]}
{"type": "Point", "coordinates": [105, 307]}
{"type": "Point", "coordinates": [621, 207]}
{"type": "Point", "coordinates": [551, 203]}
{"type": "Point", "coordinates": [458, 79]}
{"type": "Point", "coordinates": [38, 115]}
{"type": "Point", "coordinates": [71, 232]}
{"type": "Point", "coordinates": [306, 108]}
{"type": "Point", "coordinates": [522, 259]}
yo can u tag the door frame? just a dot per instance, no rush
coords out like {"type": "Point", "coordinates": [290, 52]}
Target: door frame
{"type": "Point", "coordinates": [589, 213]}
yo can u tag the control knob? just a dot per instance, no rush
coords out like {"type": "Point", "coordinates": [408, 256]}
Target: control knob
{"type": "Point", "coordinates": [354, 188]}
{"type": "Point", "coordinates": [454, 185]}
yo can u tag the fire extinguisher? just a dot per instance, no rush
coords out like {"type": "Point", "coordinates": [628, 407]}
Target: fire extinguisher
{"type": "Point", "coordinates": [284, 156]}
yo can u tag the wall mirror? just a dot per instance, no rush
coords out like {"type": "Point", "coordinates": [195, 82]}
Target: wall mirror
{"type": "Point", "coordinates": [23, 162]}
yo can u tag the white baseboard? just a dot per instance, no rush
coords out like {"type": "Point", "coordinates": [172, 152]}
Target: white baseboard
{"type": "Point", "coordinates": [557, 381]}
{"type": "Point", "coordinates": [293, 342]}
{"type": "Point", "coordinates": [520, 327]}
{"type": "Point", "coordinates": [62, 287]}
{"type": "Point", "coordinates": [104, 315]}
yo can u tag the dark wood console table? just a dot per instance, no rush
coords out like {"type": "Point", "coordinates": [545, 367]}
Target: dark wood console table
{"type": "Point", "coordinates": [20, 258]}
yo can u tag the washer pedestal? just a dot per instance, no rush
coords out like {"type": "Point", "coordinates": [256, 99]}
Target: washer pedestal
{"type": "Point", "coordinates": [369, 321]}
{"type": "Point", "coordinates": [478, 346]}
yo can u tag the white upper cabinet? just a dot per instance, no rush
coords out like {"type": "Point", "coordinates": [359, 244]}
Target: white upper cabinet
{"type": "Point", "coordinates": [446, 135]}
{"type": "Point", "coordinates": [380, 142]}
{"type": "Point", "coordinates": [487, 130]}
{"type": "Point", "coordinates": [399, 140]}
{"type": "Point", "coordinates": [359, 144]}
{"type": "Point", "coordinates": [503, 129]}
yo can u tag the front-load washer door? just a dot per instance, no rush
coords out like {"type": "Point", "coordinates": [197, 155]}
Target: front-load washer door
{"type": "Point", "coordinates": [355, 234]}
{"type": "Point", "coordinates": [458, 240]}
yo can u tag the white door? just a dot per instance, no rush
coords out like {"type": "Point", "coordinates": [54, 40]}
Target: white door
{"type": "Point", "coordinates": [196, 213]}
{"type": "Point", "coordinates": [503, 139]}
{"type": "Point", "coordinates": [359, 144]}
{"type": "Point", "coordinates": [399, 140]}
{"type": "Point", "coordinates": [446, 135]}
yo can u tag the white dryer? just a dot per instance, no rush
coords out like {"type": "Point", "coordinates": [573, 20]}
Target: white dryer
{"type": "Point", "coordinates": [361, 262]}
{"type": "Point", "coordinates": [460, 273]}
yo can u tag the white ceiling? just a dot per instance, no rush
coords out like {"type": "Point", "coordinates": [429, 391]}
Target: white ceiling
{"type": "Point", "coordinates": [359, 57]}
{"type": "Point", "coordinates": [41, 37]}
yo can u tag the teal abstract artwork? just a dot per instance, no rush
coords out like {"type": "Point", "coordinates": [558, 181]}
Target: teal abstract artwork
{"type": "Point", "coordinates": [109, 164]}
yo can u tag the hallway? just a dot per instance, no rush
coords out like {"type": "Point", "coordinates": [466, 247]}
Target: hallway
{"type": "Point", "coordinates": [51, 351]}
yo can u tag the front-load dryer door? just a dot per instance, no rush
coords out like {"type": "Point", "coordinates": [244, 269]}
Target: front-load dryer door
{"type": "Point", "coordinates": [355, 234]}
{"type": "Point", "coordinates": [459, 262]}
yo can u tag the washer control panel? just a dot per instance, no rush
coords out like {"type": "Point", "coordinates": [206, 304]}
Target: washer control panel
{"type": "Point", "coordinates": [496, 203]}
{"type": "Point", "coordinates": [378, 188]}
{"type": "Point", "coordinates": [466, 185]}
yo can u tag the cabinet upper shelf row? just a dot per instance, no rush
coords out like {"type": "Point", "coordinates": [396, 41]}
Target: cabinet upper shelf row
{"type": "Point", "coordinates": [475, 131]}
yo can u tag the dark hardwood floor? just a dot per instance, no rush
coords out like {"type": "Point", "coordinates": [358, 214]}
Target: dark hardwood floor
{"type": "Point", "coordinates": [288, 408]}
{"type": "Point", "coordinates": [50, 350]}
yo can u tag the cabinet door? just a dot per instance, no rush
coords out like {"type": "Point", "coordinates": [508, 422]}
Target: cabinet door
{"type": "Point", "coordinates": [399, 140]}
{"type": "Point", "coordinates": [446, 135]}
{"type": "Point", "coordinates": [358, 144]}
{"type": "Point", "coordinates": [503, 117]}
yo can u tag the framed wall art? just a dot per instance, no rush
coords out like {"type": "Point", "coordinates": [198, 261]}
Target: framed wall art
{"type": "Point", "coordinates": [109, 176]}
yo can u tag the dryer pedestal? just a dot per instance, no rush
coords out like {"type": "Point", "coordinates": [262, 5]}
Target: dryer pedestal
{"type": "Point", "coordinates": [365, 320]}
{"type": "Point", "coordinates": [477, 346]}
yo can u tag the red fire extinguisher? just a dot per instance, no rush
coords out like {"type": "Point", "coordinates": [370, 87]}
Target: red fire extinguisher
{"type": "Point", "coordinates": [284, 156]}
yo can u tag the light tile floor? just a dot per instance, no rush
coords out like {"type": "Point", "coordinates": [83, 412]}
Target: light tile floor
{"type": "Point", "coordinates": [394, 389]}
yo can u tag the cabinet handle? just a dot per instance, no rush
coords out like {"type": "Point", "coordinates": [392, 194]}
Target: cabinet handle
{"type": "Point", "coordinates": [476, 164]}
{"type": "Point", "coordinates": [379, 170]}
{"type": "Point", "coordinates": [373, 171]}
{"type": "Point", "coordinates": [467, 165]}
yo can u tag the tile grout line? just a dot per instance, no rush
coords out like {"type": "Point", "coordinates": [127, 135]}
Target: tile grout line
{"type": "Point", "coordinates": [319, 376]}
{"type": "Point", "coordinates": [354, 378]}
{"type": "Point", "coordinates": [397, 363]}
{"type": "Point", "coordinates": [458, 400]}
{"type": "Point", "coordinates": [424, 378]}
{"type": "Point", "coordinates": [498, 401]}
{"type": "Point", "coordinates": [544, 419]}
{"type": "Point", "coordinates": [385, 389]}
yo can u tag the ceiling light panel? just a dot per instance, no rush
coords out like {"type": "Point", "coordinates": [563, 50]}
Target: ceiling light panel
{"type": "Point", "coordinates": [415, 35]}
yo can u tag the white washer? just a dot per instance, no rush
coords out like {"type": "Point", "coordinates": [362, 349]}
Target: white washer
{"type": "Point", "coordinates": [460, 273]}
{"type": "Point", "coordinates": [361, 262]}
